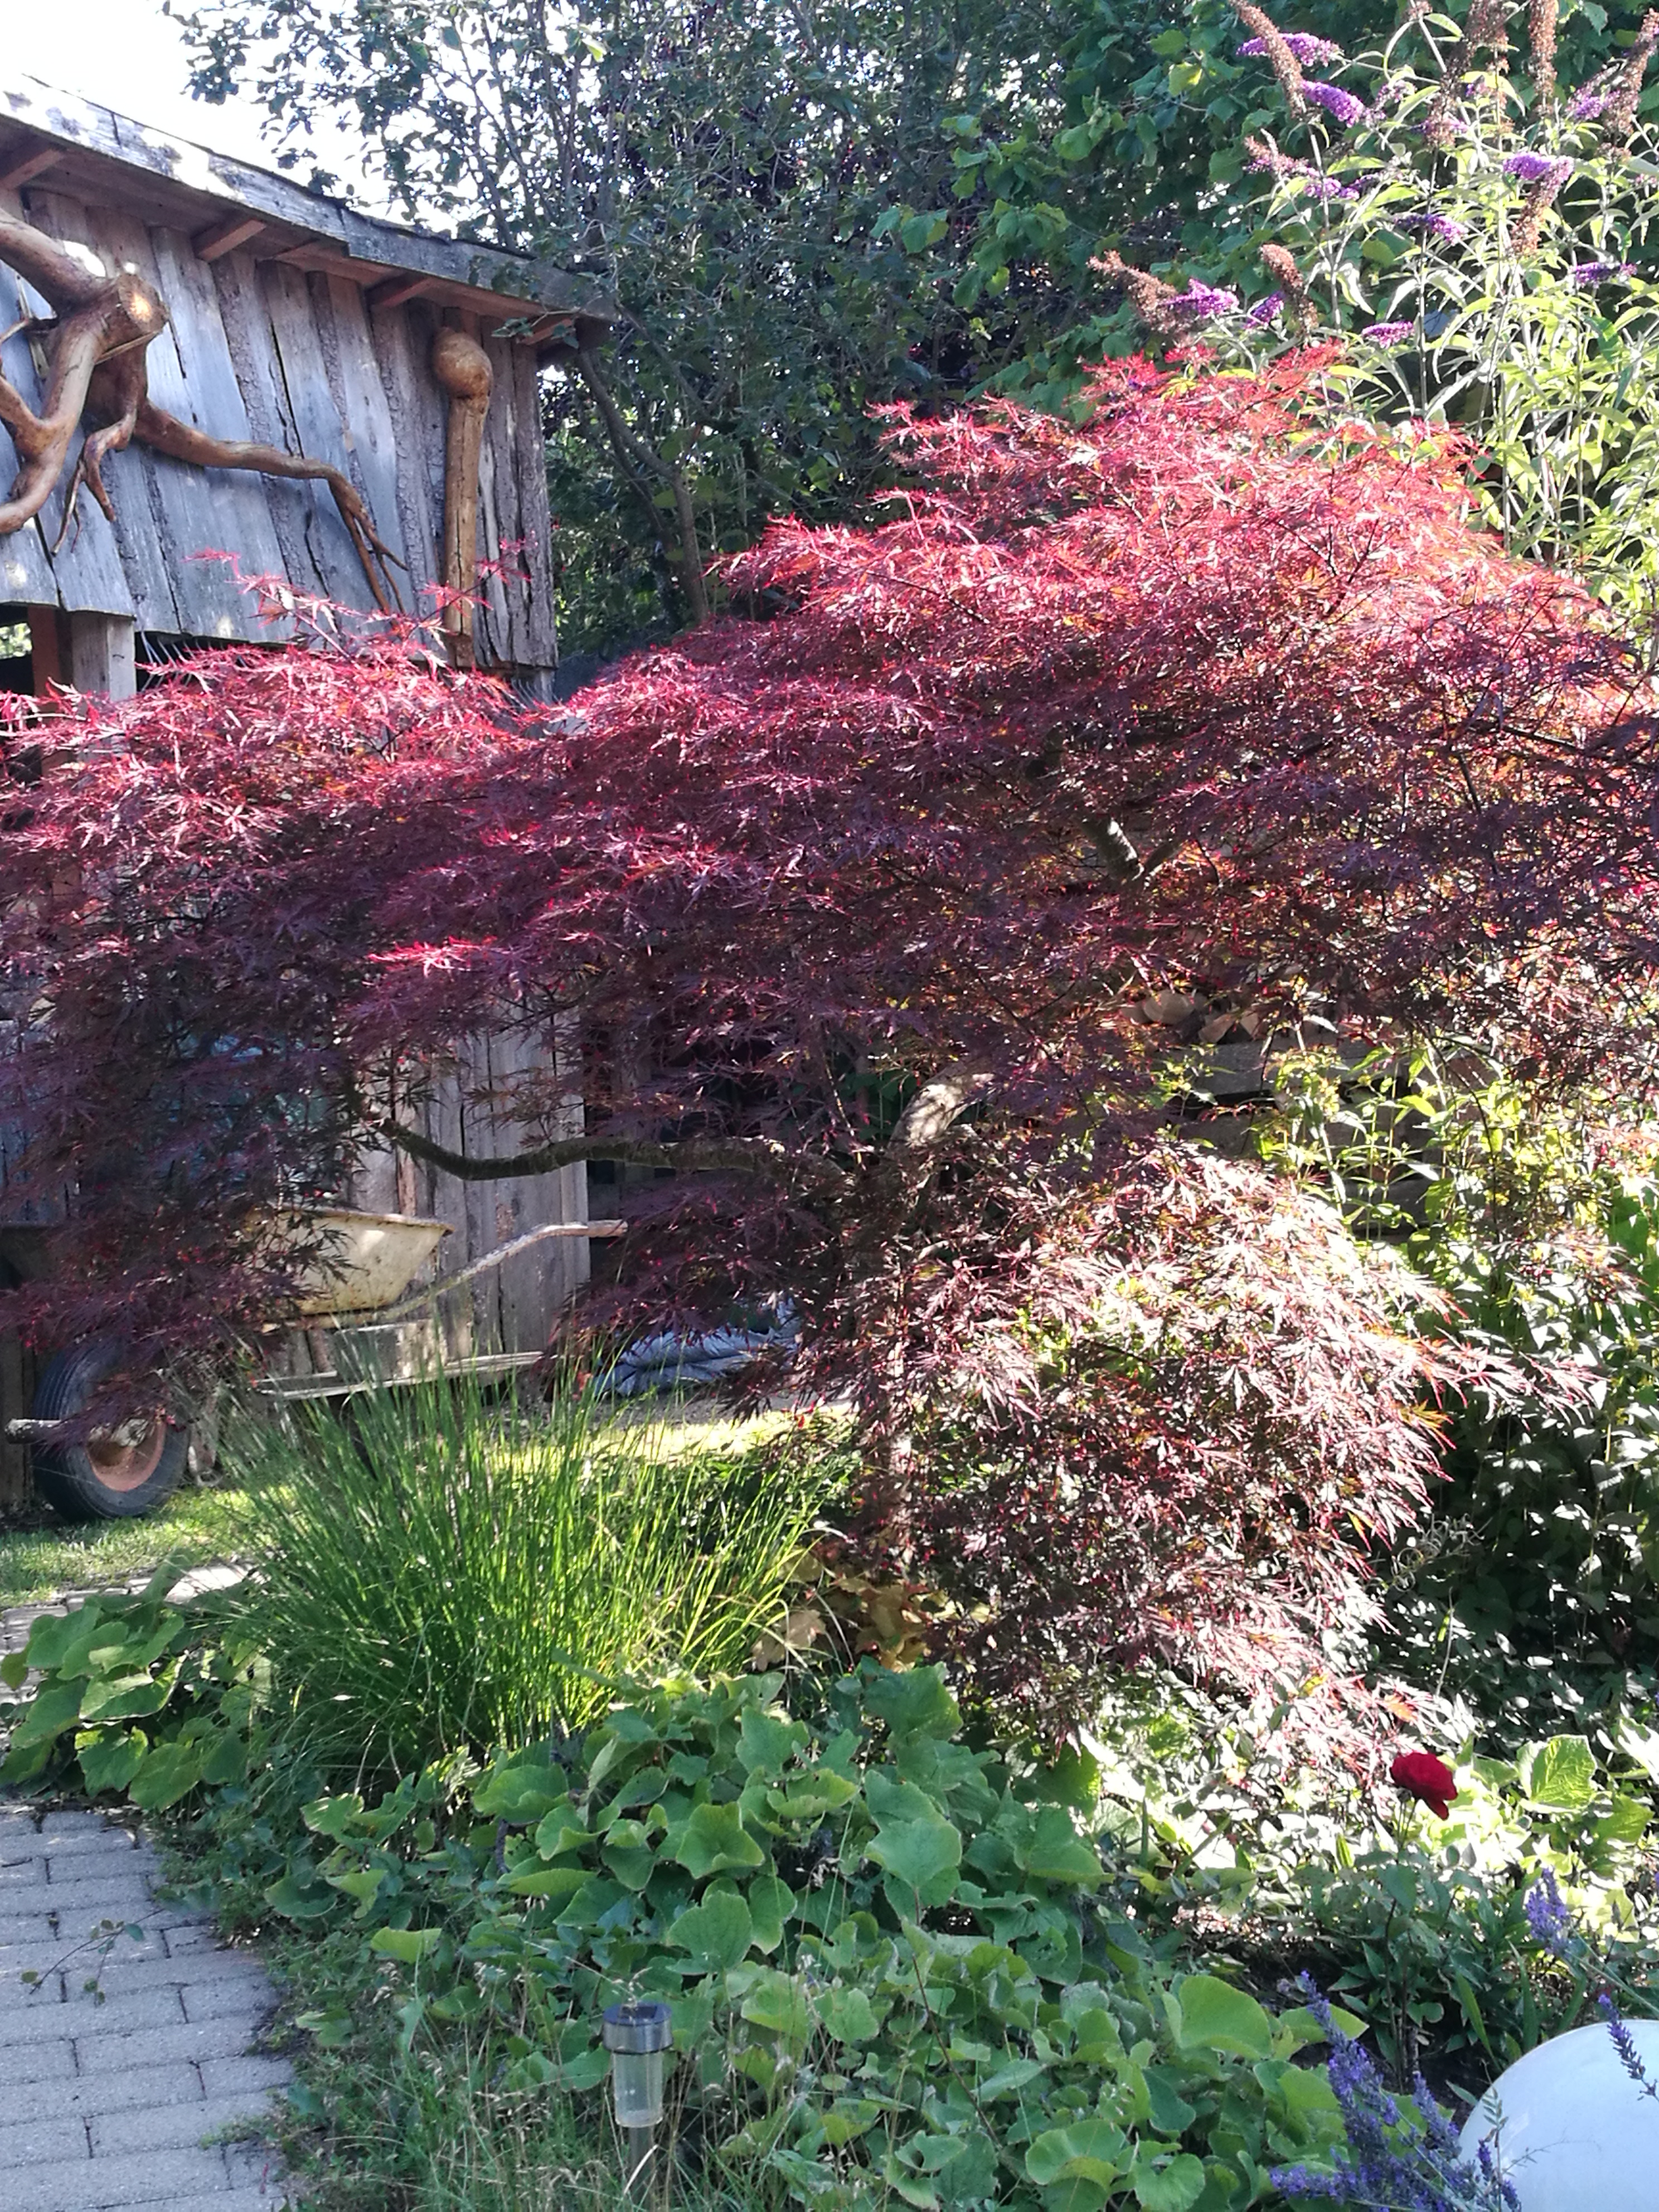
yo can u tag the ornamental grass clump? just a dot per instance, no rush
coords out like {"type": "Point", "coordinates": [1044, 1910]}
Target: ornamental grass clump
{"type": "Point", "coordinates": [441, 1574]}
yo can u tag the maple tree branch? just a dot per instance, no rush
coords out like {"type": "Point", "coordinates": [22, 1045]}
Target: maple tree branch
{"type": "Point", "coordinates": [757, 1155]}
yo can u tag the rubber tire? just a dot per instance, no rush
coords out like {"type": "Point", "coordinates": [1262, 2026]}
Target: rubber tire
{"type": "Point", "coordinates": [67, 1476]}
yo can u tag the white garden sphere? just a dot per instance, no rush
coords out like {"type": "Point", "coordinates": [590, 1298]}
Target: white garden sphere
{"type": "Point", "coordinates": [1572, 2132]}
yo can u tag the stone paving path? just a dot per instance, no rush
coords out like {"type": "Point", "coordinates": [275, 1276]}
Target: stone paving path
{"type": "Point", "coordinates": [107, 2092]}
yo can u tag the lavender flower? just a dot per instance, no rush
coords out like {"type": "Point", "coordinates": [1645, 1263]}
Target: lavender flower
{"type": "Point", "coordinates": [1547, 1916]}
{"type": "Point", "coordinates": [1434, 225]}
{"type": "Point", "coordinates": [1302, 44]}
{"type": "Point", "coordinates": [1335, 100]}
{"type": "Point", "coordinates": [1533, 169]}
{"type": "Point", "coordinates": [1204, 301]}
{"type": "Point", "coordinates": [1386, 334]}
{"type": "Point", "coordinates": [1624, 2043]}
{"type": "Point", "coordinates": [1588, 103]}
{"type": "Point", "coordinates": [1383, 2160]}
{"type": "Point", "coordinates": [1586, 273]}
{"type": "Point", "coordinates": [1266, 311]}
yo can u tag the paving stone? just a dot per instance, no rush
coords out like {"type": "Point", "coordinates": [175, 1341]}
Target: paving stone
{"type": "Point", "coordinates": [145, 2008]}
{"type": "Point", "coordinates": [59, 1840]}
{"type": "Point", "coordinates": [121, 1976]}
{"type": "Point", "coordinates": [194, 1936]}
{"type": "Point", "coordinates": [216, 2000]}
{"type": "Point", "coordinates": [26, 1927]}
{"type": "Point", "coordinates": [175, 2127]}
{"type": "Point", "coordinates": [87, 2096]}
{"type": "Point", "coordinates": [100, 1896]}
{"type": "Point", "coordinates": [237, 2200]}
{"type": "Point", "coordinates": [48, 2059]}
{"type": "Point", "coordinates": [15, 1872]}
{"type": "Point", "coordinates": [255, 2166]}
{"type": "Point", "coordinates": [109, 2184]}
{"type": "Point", "coordinates": [228, 2076]}
{"type": "Point", "coordinates": [40, 2141]}
{"type": "Point", "coordinates": [100, 2053]}
{"type": "Point", "coordinates": [47, 1988]}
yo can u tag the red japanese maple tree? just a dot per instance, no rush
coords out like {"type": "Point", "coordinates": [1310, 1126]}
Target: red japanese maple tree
{"type": "Point", "coordinates": [878, 913]}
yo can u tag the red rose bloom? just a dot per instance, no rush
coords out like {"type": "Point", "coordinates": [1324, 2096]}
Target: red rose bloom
{"type": "Point", "coordinates": [1425, 1777]}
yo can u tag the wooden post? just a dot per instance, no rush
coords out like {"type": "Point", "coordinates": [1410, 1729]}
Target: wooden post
{"type": "Point", "coordinates": [48, 649]}
{"type": "Point", "coordinates": [104, 654]}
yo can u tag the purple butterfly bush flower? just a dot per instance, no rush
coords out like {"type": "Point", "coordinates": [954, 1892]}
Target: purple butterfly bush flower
{"type": "Point", "coordinates": [1587, 104]}
{"type": "Point", "coordinates": [1203, 301]}
{"type": "Point", "coordinates": [1347, 108]}
{"type": "Point", "coordinates": [1587, 273]}
{"type": "Point", "coordinates": [1533, 168]}
{"type": "Point", "coordinates": [1265, 310]}
{"type": "Point", "coordinates": [1302, 44]}
{"type": "Point", "coordinates": [1386, 334]}
{"type": "Point", "coordinates": [1432, 224]}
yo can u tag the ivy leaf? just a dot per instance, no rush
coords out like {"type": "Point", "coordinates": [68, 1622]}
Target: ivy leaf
{"type": "Point", "coordinates": [714, 1840]}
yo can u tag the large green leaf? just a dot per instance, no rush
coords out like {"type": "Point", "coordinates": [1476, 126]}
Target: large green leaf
{"type": "Point", "coordinates": [1057, 1853]}
{"type": "Point", "coordinates": [521, 1793]}
{"type": "Point", "coordinates": [1095, 2150]}
{"type": "Point", "coordinates": [924, 1855]}
{"type": "Point", "coordinates": [409, 1945]}
{"type": "Point", "coordinates": [1560, 1775]}
{"type": "Point", "coordinates": [714, 1841]}
{"type": "Point", "coordinates": [913, 1702]}
{"type": "Point", "coordinates": [171, 1771]}
{"type": "Point", "coordinates": [110, 1760]}
{"type": "Point", "coordinates": [55, 1709]}
{"type": "Point", "coordinates": [1215, 2016]}
{"type": "Point", "coordinates": [1174, 2186]}
{"type": "Point", "coordinates": [718, 1932]}
{"type": "Point", "coordinates": [124, 1698]}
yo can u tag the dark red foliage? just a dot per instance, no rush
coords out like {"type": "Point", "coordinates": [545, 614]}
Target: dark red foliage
{"type": "Point", "coordinates": [881, 917]}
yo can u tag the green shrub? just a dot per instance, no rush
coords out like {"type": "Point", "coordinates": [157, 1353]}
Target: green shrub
{"type": "Point", "coordinates": [437, 1573]}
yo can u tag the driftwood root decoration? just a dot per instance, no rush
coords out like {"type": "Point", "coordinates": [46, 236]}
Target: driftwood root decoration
{"type": "Point", "coordinates": [461, 369]}
{"type": "Point", "coordinates": [103, 327]}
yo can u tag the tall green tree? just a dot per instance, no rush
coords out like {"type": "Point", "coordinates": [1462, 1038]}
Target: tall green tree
{"type": "Point", "coordinates": [774, 193]}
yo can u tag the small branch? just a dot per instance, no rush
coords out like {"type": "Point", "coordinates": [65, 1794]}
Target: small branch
{"type": "Point", "coordinates": [938, 1106]}
{"type": "Point", "coordinates": [757, 1155]}
{"type": "Point", "coordinates": [636, 455]}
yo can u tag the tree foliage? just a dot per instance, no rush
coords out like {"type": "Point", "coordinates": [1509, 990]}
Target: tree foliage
{"type": "Point", "coordinates": [771, 192]}
{"type": "Point", "coordinates": [901, 922]}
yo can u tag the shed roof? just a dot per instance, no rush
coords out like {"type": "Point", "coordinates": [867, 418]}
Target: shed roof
{"type": "Point", "coordinates": [70, 145]}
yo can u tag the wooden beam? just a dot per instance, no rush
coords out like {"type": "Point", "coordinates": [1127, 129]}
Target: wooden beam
{"type": "Point", "coordinates": [310, 252]}
{"type": "Point", "coordinates": [18, 174]}
{"type": "Point", "coordinates": [397, 291]}
{"type": "Point", "coordinates": [103, 655]}
{"type": "Point", "coordinates": [222, 238]}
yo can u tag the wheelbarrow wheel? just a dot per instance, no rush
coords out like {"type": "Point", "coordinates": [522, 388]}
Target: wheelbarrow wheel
{"type": "Point", "coordinates": [115, 1475]}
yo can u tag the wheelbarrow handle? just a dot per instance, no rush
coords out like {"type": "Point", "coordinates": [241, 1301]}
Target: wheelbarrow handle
{"type": "Point", "coordinates": [503, 1252]}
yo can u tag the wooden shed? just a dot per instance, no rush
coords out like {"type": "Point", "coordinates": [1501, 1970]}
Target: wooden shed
{"type": "Point", "coordinates": [298, 328]}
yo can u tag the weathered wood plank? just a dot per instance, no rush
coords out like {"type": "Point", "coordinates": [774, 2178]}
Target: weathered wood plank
{"type": "Point", "coordinates": [318, 430]}
{"type": "Point", "coordinates": [245, 318]}
{"type": "Point", "coordinates": [403, 344]}
{"type": "Point", "coordinates": [198, 512]}
{"type": "Point", "coordinates": [355, 380]}
{"type": "Point", "coordinates": [87, 566]}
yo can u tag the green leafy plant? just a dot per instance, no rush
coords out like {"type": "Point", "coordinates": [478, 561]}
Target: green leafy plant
{"type": "Point", "coordinates": [438, 1573]}
{"type": "Point", "coordinates": [138, 1697]}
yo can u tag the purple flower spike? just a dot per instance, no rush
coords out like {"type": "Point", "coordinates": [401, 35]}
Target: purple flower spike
{"type": "Point", "coordinates": [1302, 44]}
{"type": "Point", "coordinates": [1547, 1916]}
{"type": "Point", "coordinates": [1533, 169]}
{"type": "Point", "coordinates": [1335, 101]}
{"type": "Point", "coordinates": [1204, 301]}
{"type": "Point", "coordinates": [1587, 105]}
{"type": "Point", "coordinates": [1264, 311]}
{"type": "Point", "coordinates": [1586, 273]}
{"type": "Point", "coordinates": [1386, 334]}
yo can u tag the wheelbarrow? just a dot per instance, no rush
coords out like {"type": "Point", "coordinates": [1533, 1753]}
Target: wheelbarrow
{"type": "Point", "coordinates": [348, 1296]}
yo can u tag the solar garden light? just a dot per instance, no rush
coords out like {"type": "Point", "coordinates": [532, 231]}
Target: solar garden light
{"type": "Point", "coordinates": [637, 2037]}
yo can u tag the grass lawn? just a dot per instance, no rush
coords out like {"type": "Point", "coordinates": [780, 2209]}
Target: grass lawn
{"type": "Point", "coordinates": [41, 1556]}
{"type": "Point", "coordinates": [39, 1560]}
